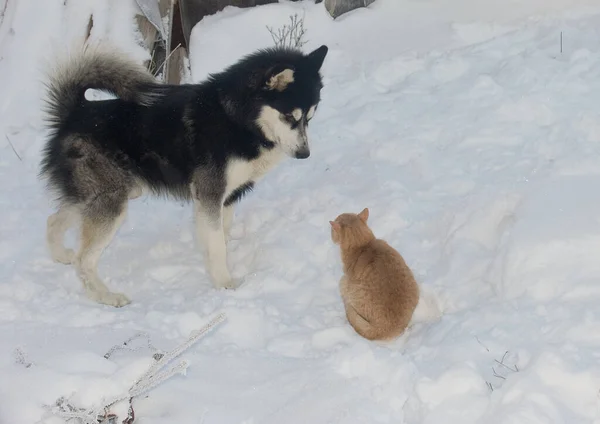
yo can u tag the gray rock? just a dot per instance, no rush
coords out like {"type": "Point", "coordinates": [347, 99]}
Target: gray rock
{"type": "Point", "coordinates": [339, 7]}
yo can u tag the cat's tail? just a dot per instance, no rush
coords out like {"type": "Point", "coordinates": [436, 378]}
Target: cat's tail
{"type": "Point", "coordinates": [429, 308]}
{"type": "Point", "coordinates": [362, 326]}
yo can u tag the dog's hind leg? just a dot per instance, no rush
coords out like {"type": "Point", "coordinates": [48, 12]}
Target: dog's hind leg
{"type": "Point", "coordinates": [57, 225]}
{"type": "Point", "coordinates": [100, 221]}
{"type": "Point", "coordinates": [135, 192]}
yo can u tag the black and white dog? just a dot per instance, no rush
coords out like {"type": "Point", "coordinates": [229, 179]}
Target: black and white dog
{"type": "Point", "coordinates": [208, 143]}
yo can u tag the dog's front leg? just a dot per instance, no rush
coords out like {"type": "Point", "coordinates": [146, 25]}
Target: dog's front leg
{"type": "Point", "coordinates": [209, 229]}
{"type": "Point", "coordinates": [227, 221]}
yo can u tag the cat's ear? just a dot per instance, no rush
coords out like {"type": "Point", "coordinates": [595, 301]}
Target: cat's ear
{"type": "Point", "coordinates": [336, 226]}
{"type": "Point", "coordinates": [364, 215]}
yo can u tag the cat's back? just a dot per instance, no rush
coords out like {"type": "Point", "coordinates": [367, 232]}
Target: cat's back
{"type": "Point", "coordinates": [385, 260]}
{"type": "Point", "coordinates": [387, 277]}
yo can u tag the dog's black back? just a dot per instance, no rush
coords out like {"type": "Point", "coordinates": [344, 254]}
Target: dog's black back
{"type": "Point", "coordinates": [164, 138]}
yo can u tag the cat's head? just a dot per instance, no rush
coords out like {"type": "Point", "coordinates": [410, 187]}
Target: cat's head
{"type": "Point", "coordinates": [351, 228]}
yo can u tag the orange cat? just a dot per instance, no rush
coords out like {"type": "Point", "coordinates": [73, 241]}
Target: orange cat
{"type": "Point", "coordinates": [379, 291]}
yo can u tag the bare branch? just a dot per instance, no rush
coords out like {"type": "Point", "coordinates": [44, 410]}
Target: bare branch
{"type": "Point", "coordinates": [21, 358]}
{"type": "Point", "coordinates": [501, 362]}
{"type": "Point", "coordinates": [479, 341]}
{"type": "Point", "coordinates": [13, 148]}
{"type": "Point", "coordinates": [156, 374]}
{"type": "Point", "coordinates": [166, 60]}
{"type": "Point", "coordinates": [498, 375]}
{"type": "Point", "coordinates": [3, 13]}
{"type": "Point", "coordinates": [127, 346]}
{"type": "Point", "coordinates": [291, 35]}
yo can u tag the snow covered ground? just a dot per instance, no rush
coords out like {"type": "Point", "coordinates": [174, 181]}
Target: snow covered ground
{"type": "Point", "coordinates": [472, 138]}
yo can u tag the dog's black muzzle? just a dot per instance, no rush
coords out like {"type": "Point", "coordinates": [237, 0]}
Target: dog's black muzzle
{"type": "Point", "coordinates": [302, 154]}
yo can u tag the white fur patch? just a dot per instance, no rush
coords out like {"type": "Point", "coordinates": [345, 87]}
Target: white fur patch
{"type": "Point", "coordinates": [297, 114]}
{"type": "Point", "coordinates": [279, 132]}
{"type": "Point", "coordinates": [241, 171]}
{"type": "Point", "coordinates": [311, 112]}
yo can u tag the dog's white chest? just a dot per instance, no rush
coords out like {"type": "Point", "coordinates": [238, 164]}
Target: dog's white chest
{"type": "Point", "coordinates": [241, 171]}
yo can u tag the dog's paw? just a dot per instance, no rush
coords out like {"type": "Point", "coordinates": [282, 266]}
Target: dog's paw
{"type": "Point", "coordinates": [65, 256]}
{"type": "Point", "coordinates": [112, 299]}
{"type": "Point", "coordinates": [232, 284]}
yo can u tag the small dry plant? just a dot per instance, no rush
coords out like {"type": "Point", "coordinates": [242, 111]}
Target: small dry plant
{"type": "Point", "coordinates": [290, 35]}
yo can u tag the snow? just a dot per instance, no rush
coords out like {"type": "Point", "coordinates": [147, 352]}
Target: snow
{"type": "Point", "coordinates": [471, 137]}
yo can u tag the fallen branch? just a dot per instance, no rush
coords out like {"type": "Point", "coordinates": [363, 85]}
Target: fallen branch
{"type": "Point", "coordinates": [150, 379]}
{"type": "Point", "coordinates": [479, 341]}
{"type": "Point", "coordinates": [3, 13]}
{"type": "Point", "coordinates": [21, 358]}
{"type": "Point", "coordinates": [162, 65]}
{"type": "Point", "coordinates": [501, 362]}
{"type": "Point", "coordinates": [13, 147]}
{"type": "Point", "coordinates": [126, 346]}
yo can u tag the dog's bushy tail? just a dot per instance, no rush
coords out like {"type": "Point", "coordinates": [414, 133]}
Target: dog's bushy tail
{"type": "Point", "coordinates": [100, 69]}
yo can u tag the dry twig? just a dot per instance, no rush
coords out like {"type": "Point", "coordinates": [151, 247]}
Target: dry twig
{"type": "Point", "coordinates": [155, 375]}
{"type": "Point", "coordinates": [166, 60]}
{"type": "Point", "coordinates": [479, 341]}
{"type": "Point", "coordinates": [13, 148]}
{"type": "Point", "coordinates": [291, 35]}
{"type": "Point", "coordinates": [21, 358]}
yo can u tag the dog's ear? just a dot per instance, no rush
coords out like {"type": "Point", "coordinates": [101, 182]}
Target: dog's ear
{"type": "Point", "coordinates": [279, 77]}
{"type": "Point", "coordinates": [316, 57]}
{"type": "Point", "coordinates": [364, 215]}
